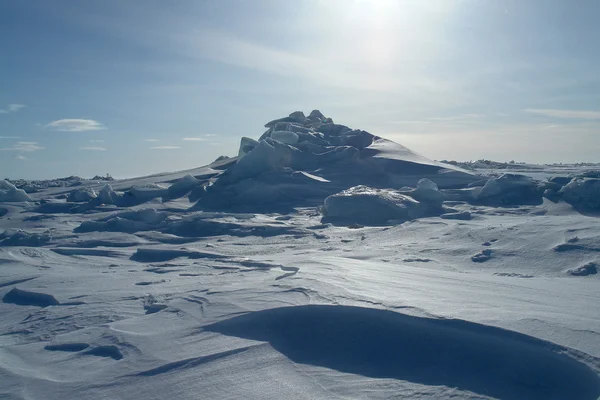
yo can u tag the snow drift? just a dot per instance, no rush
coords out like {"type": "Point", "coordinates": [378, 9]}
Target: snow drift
{"type": "Point", "coordinates": [383, 344]}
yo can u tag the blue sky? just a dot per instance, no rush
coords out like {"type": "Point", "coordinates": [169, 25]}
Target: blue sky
{"type": "Point", "coordinates": [138, 87]}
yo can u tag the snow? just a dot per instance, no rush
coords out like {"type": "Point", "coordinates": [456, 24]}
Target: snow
{"type": "Point", "coordinates": [227, 281]}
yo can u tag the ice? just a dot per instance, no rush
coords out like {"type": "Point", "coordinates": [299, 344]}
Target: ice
{"type": "Point", "coordinates": [82, 195]}
{"type": "Point", "coordinates": [286, 137]}
{"type": "Point", "coordinates": [583, 193]}
{"type": "Point", "coordinates": [182, 187]}
{"type": "Point", "coordinates": [246, 145]}
{"type": "Point", "coordinates": [9, 193]}
{"type": "Point", "coordinates": [510, 189]}
{"type": "Point", "coordinates": [339, 155]}
{"type": "Point", "coordinates": [427, 192]}
{"type": "Point", "coordinates": [108, 196]}
{"type": "Point", "coordinates": [143, 193]}
{"type": "Point", "coordinates": [362, 204]}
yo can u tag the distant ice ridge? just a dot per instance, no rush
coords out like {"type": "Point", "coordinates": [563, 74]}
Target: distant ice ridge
{"type": "Point", "coordinates": [310, 161]}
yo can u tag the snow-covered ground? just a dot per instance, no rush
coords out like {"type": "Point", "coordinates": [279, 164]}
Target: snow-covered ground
{"type": "Point", "coordinates": [195, 284]}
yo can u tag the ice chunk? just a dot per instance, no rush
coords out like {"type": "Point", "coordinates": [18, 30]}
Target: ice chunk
{"type": "Point", "coordinates": [362, 204]}
{"type": "Point", "coordinates": [510, 189]}
{"type": "Point", "coordinates": [246, 146]}
{"type": "Point", "coordinates": [147, 192]}
{"type": "Point", "coordinates": [81, 195]}
{"type": "Point", "coordinates": [582, 193]}
{"type": "Point", "coordinates": [427, 192]}
{"type": "Point", "coordinates": [286, 137]}
{"type": "Point", "coordinates": [108, 196]}
{"type": "Point", "coordinates": [298, 116]}
{"type": "Point", "coordinates": [316, 114]}
{"type": "Point", "coordinates": [9, 193]}
{"type": "Point", "coordinates": [182, 187]}
{"type": "Point", "coordinates": [6, 186]}
{"type": "Point", "coordinates": [427, 184]}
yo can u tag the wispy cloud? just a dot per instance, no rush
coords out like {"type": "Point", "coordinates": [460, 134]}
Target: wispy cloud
{"type": "Point", "coordinates": [92, 148]}
{"type": "Point", "coordinates": [193, 139]}
{"type": "Point", "coordinates": [165, 147]}
{"type": "Point", "coordinates": [23, 146]}
{"type": "Point", "coordinates": [150, 140]}
{"type": "Point", "coordinates": [12, 108]}
{"type": "Point", "coordinates": [9, 137]}
{"type": "Point", "coordinates": [20, 157]}
{"type": "Point", "coordinates": [75, 125]}
{"type": "Point", "coordinates": [97, 141]}
{"type": "Point", "coordinates": [570, 114]}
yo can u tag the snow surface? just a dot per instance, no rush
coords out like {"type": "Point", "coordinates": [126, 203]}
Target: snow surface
{"type": "Point", "coordinates": [201, 284]}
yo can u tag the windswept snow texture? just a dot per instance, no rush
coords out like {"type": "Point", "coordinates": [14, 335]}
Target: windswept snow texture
{"type": "Point", "coordinates": [385, 344]}
{"type": "Point", "coordinates": [321, 262]}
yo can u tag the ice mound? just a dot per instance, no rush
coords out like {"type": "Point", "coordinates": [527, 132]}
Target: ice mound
{"type": "Point", "coordinates": [301, 160]}
{"type": "Point", "coordinates": [510, 189]}
{"type": "Point", "coordinates": [81, 195]}
{"type": "Point", "coordinates": [362, 204]}
{"type": "Point", "coordinates": [504, 190]}
{"type": "Point", "coordinates": [108, 196]}
{"type": "Point", "coordinates": [9, 193]}
{"type": "Point", "coordinates": [583, 193]}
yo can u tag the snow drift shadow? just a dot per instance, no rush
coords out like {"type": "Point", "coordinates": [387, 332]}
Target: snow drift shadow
{"type": "Point", "coordinates": [384, 344]}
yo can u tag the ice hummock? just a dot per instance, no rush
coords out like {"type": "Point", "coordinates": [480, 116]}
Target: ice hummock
{"type": "Point", "coordinates": [301, 160]}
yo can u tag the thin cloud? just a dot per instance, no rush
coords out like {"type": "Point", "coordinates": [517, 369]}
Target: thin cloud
{"type": "Point", "coordinates": [150, 140]}
{"type": "Point", "coordinates": [92, 148]}
{"type": "Point", "coordinates": [75, 125]}
{"type": "Point", "coordinates": [23, 146]}
{"type": "Point", "coordinates": [165, 147]}
{"type": "Point", "coordinates": [97, 141]}
{"type": "Point", "coordinates": [193, 139]}
{"type": "Point", "coordinates": [570, 114]}
{"type": "Point", "coordinates": [20, 157]}
{"type": "Point", "coordinates": [9, 137]}
{"type": "Point", "coordinates": [12, 108]}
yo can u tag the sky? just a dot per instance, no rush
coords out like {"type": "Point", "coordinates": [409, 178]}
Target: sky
{"type": "Point", "coordinates": [138, 87]}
